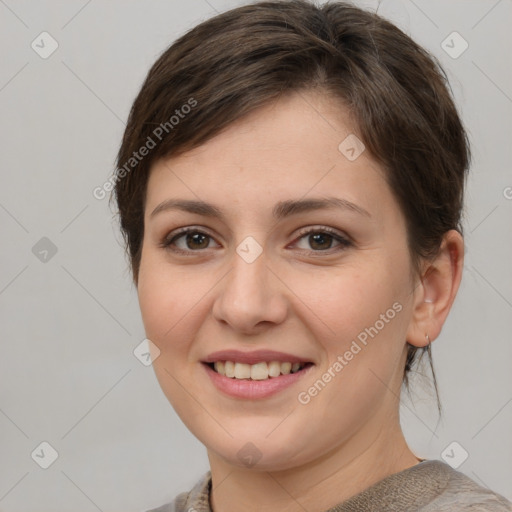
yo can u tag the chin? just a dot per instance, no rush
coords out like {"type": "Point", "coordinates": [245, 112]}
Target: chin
{"type": "Point", "coordinates": [251, 458]}
{"type": "Point", "coordinates": [258, 451]}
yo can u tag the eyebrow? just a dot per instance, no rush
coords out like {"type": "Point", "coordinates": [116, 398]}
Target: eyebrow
{"type": "Point", "coordinates": [281, 210]}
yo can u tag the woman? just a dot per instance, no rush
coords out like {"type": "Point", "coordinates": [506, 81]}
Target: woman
{"type": "Point", "coordinates": [290, 185]}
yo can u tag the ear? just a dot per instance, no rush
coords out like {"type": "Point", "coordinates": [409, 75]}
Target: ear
{"type": "Point", "coordinates": [436, 291]}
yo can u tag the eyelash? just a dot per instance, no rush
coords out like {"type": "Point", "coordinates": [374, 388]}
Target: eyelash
{"type": "Point", "coordinates": [343, 241]}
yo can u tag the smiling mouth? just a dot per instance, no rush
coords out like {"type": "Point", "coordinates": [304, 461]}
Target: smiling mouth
{"type": "Point", "coordinates": [258, 371]}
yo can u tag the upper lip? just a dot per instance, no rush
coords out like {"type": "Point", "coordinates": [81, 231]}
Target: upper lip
{"type": "Point", "coordinates": [253, 357]}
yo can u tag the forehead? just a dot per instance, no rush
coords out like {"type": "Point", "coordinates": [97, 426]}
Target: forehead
{"type": "Point", "coordinates": [287, 149]}
{"type": "Point", "coordinates": [290, 125]}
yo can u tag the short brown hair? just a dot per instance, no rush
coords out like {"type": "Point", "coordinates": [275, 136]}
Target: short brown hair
{"type": "Point", "coordinates": [244, 58]}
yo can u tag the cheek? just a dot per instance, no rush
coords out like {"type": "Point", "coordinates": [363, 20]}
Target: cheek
{"type": "Point", "coordinates": [351, 299]}
{"type": "Point", "coordinates": [155, 298]}
{"type": "Point", "coordinates": [362, 334]}
{"type": "Point", "coordinates": [168, 314]}
{"type": "Point", "coordinates": [173, 302]}
{"type": "Point", "coordinates": [361, 316]}
{"type": "Point", "coordinates": [159, 291]}
{"type": "Point", "coordinates": [159, 300]}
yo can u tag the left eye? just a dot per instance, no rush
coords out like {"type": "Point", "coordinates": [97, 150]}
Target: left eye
{"type": "Point", "coordinates": [322, 239]}
{"type": "Point", "coordinates": [193, 240]}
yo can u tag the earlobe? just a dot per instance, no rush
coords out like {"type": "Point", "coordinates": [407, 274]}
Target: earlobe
{"type": "Point", "coordinates": [434, 296]}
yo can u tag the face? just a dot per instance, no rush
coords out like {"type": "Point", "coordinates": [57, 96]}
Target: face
{"type": "Point", "coordinates": [269, 275]}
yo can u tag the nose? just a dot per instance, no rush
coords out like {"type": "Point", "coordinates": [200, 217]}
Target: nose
{"type": "Point", "coordinates": [251, 297]}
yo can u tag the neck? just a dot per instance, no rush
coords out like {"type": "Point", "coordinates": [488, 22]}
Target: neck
{"type": "Point", "coordinates": [317, 486]}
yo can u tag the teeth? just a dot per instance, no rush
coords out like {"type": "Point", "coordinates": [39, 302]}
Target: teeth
{"type": "Point", "coordinates": [274, 369]}
{"type": "Point", "coordinates": [242, 371]}
{"type": "Point", "coordinates": [229, 368]}
{"type": "Point", "coordinates": [219, 367]}
{"type": "Point", "coordinates": [258, 371]}
{"type": "Point", "coordinates": [286, 368]}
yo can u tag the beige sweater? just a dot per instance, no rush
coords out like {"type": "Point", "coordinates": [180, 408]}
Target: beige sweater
{"type": "Point", "coordinates": [431, 486]}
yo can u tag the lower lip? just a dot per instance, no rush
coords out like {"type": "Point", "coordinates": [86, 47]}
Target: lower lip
{"type": "Point", "coordinates": [254, 389]}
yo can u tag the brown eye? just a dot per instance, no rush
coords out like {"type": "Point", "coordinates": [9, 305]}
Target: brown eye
{"type": "Point", "coordinates": [318, 240]}
{"type": "Point", "coordinates": [196, 240]}
{"type": "Point", "coordinates": [187, 241]}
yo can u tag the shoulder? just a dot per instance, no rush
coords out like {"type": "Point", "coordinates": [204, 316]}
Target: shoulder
{"type": "Point", "coordinates": [460, 493]}
{"type": "Point", "coordinates": [195, 500]}
{"type": "Point", "coordinates": [431, 486]}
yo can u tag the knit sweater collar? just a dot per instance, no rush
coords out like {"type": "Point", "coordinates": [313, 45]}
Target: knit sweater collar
{"type": "Point", "coordinates": [404, 491]}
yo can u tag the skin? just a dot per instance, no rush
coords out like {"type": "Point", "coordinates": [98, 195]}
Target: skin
{"type": "Point", "coordinates": [298, 296]}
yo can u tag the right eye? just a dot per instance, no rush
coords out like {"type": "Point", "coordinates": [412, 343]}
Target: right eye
{"type": "Point", "coordinates": [186, 241]}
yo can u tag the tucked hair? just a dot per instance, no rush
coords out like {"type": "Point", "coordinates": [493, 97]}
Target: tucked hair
{"type": "Point", "coordinates": [242, 59]}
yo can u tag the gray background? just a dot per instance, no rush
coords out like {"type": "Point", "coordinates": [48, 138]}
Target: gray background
{"type": "Point", "coordinates": [69, 324]}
